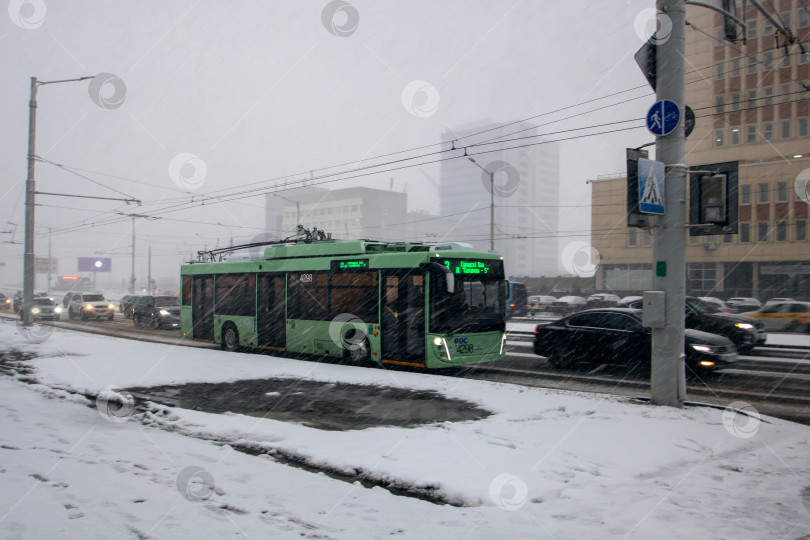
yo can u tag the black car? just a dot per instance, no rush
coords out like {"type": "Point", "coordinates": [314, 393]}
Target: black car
{"type": "Point", "coordinates": [745, 332]}
{"type": "Point", "coordinates": [157, 311]}
{"type": "Point", "coordinates": [616, 336]}
{"type": "Point", "coordinates": [126, 303]}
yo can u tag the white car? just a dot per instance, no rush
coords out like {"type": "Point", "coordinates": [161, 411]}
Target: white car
{"type": "Point", "coordinates": [89, 305]}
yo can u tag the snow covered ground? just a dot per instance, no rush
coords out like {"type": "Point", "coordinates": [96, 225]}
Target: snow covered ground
{"type": "Point", "coordinates": [545, 464]}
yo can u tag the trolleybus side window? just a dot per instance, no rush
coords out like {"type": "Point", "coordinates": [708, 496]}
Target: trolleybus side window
{"type": "Point", "coordinates": [186, 291]}
{"type": "Point", "coordinates": [308, 296]}
{"type": "Point", "coordinates": [235, 294]}
{"type": "Point", "coordinates": [355, 293]}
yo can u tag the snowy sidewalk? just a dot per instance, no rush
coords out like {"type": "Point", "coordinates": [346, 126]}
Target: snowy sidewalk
{"type": "Point", "coordinates": [543, 464]}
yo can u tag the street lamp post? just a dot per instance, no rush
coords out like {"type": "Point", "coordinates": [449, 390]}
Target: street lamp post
{"type": "Point", "coordinates": [491, 204]}
{"type": "Point", "coordinates": [28, 256]}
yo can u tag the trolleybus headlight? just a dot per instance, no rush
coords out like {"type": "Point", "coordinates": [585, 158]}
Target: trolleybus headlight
{"type": "Point", "coordinates": [437, 341]}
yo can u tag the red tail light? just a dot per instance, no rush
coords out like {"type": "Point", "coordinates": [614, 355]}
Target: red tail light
{"type": "Point", "coordinates": [511, 305]}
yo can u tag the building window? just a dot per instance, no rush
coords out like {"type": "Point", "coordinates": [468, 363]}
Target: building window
{"type": "Point", "coordinates": [803, 57]}
{"type": "Point", "coordinates": [762, 232]}
{"type": "Point", "coordinates": [718, 137]}
{"type": "Point", "coordinates": [735, 102]}
{"type": "Point", "coordinates": [768, 30]}
{"type": "Point", "coordinates": [728, 238]}
{"type": "Point", "coordinates": [767, 60]}
{"type": "Point", "coordinates": [745, 194]}
{"type": "Point", "coordinates": [781, 231]}
{"type": "Point", "coordinates": [801, 229]}
{"type": "Point", "coordinates": [631, 238]}
{"type": "Point", "coordinates": [803, 127]}
{"type": "Point", "coordinates": [735, 135]}
{"type": "Point", "coordinates": [752, 29]}
{"type": "Point", "coordinates": [786, 60]}
{"type": "Point", "coordinates": [785, 93]}
{"type": "Point", "coordinates": [768, 96]}
{"type": "Point", "coordinates": [752, 134]}
{"type": "Point", "coordinates": [745, 233]}
{"type": "Point", "coordinates": [735, 67]}
{"type": "Point", "coordinates": [781, 191]}
{"type": "Point", "coordinates": [804, 18]}
{"type": "Point", "coordinates": [694, 240]}
{"type": "Point", "coordinates": [767, 132]}
{"type": "Point", "coordinates": [752, 99]}
{"type": "Point", "coordinates": [701, 277]}
{"type": "Point", "coordinates": [785, 129]}
{"type": "Point", "coordinates": [647, 237]}
{"type": "Point", "coordinates": [719, 104]}
{"type": "Point", "coordinates": [719, 70]}
{"type": "Point", "coordinates": [752, 65]}
{"type": "Point", "coordinates": [763, 192]}
{"type": "Point", "coordinates": [786, 19]}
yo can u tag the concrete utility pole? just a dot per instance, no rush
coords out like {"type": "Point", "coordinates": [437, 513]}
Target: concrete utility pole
{"type": "Point", "coordinates": [28, 257]}
{"type": "Point", "coordinates": [149, 271]}
{"type": "Point", "coordinates": [132, 275]}
{"type": "Point", "coordinates": [30, 195]}
{"type": "Point", "coordinates": [667, 376]}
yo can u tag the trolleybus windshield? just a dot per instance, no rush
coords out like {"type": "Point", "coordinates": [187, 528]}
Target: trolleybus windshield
{"type": "Point", "coordinates": [478, 303]}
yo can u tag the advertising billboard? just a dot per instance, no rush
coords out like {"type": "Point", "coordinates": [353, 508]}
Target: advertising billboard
{"type": "Point", "coordinates": [95, 264]}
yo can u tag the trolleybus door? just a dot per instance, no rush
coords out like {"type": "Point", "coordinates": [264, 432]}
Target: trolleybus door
{"type": "Point", "coordinates": [271, 311]}
{"type": "Point", "coordinates": [202, 317]}
{"type": "Point", "coordinates": [403, 317]}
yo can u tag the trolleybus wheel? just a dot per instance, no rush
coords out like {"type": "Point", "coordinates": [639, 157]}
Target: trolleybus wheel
{"type": "Point", "coordinates": [230, 337]}
{"type": "Point", "coordinates": [359, 352]}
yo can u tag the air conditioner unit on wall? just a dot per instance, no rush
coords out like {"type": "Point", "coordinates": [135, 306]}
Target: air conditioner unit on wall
{"type": "Point", "coordinates": [709, 246]}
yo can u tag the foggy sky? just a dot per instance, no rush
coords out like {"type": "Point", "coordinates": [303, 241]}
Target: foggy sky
{"type": "Point", "coordinates": [262, 90]}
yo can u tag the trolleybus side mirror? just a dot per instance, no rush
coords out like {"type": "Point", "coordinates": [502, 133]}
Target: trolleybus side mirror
{"type": "Point", "coordinates": [438, 269]}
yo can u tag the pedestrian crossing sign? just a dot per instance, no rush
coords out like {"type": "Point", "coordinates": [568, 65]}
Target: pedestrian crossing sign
{"type": "Point", "coordinates": [651, 186]}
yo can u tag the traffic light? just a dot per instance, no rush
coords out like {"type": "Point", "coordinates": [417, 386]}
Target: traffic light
{"type": "Point", "coordinates": [713, 199]}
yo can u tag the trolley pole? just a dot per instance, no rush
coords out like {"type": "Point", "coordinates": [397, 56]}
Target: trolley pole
{"type": "Point", "coordinates": [667, 376]}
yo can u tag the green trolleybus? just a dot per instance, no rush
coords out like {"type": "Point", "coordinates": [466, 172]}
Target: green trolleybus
{"type": "Point", "coordinates": [360, 300]}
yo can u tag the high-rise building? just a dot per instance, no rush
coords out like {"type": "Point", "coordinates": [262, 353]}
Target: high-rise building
{"type": "Point", "coordinates": [752, 105]}
{"type": "Point", "coordinates": [526, 196]}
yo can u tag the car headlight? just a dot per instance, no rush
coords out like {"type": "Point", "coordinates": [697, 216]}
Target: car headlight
{"type": "Point", "coordinates": [57, 309]}
{"type": "Point", "coordinates": [35, 310]}
{"type": "Point", "coordinates": [163, 313]}
{"type": "Point", "coordinates": [110, 306]}
{"type": "Point", "coordinates": [89, 307]}
{"type": "Point", "coordinates": [744, 325]}
{"type": "Point", "coordinates": [702, 348]}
